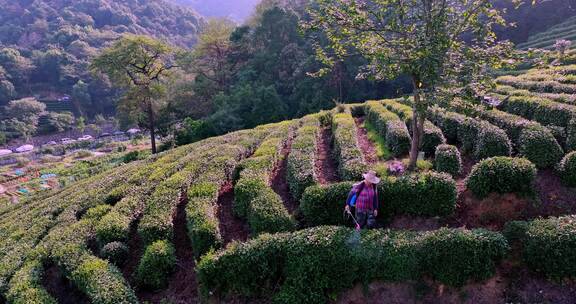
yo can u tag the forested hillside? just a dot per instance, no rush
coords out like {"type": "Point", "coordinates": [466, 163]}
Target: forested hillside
{"type": "Point", "coordinates": [46, 45]}
{"type": "Point", "coordinates": [237, 10]}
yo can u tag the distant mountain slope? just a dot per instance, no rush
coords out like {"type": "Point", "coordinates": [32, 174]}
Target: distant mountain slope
{"type": "Point", "coordinates": [546, 40]}
{"type": "Point", "coordinates": [46, 45]}
{"type": "Point", "coordinates": [238, 10]}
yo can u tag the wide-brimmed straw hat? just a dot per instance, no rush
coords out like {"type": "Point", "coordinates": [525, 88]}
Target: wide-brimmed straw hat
{"type": "Point", "coordinates": [371, 177]}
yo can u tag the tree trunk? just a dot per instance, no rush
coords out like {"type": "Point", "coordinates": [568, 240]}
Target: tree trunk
{"type": "Point", "coordinates": [152, 127]}
{"type": "Point", "coordinates": [418, 118]}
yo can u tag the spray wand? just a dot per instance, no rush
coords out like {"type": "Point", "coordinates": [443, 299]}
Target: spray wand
{"type": "Point", "coordinates": [351, 215]}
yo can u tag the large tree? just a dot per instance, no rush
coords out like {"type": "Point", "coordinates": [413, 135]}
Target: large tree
{"type": "Point", "coordinates": [434, 42]}
{"type": "Point", "coordinates": [139, 65]}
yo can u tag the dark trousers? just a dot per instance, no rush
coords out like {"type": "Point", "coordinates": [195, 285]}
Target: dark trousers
{"type": "Point", "coordinates": [366, 218]}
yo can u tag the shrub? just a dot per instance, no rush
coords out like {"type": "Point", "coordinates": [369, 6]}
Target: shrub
{"type": "Point", "coordinates": [115, 252]}
{"type": "Point", "coordinates": [567, 169]}
{"type": "Point", "coordinates": [448, 160]}
{"type": "Point", "coordinates": [571, 136]}
{"type": "Point", "coordinates": [492, 142]}
{"type": "Point", "coordinates": [549, 246]}
{"type": "Point", "coordinates": [350, 160]}
{"type": "Point", "coordinates": [454, 256]}
{"type": "Point", "coordinates": [432, 138]}
{"type": "Point", "coordinates": [426, 194]}
{"type": "Point", "coordinates": [502, 175]}
{"type": "Point", "coordinates": [314, 263]}
{"type": "Point", "coordinates": [539, 146]}
{"type": "Point", "coordinates": [26, 286]}
{"type": "Point", "coordinates": [429, 194]}
{"type": "Point", "coordinates": [300, 164]}
{"type": "Point", "coordinates": [113, 227]}
{"type": "Point", "coordinates": [390, 127]}
{"type": "Point", "coordinates": [103, 283]}
{"type": "Point", "coordinates": [268, 214]}
{"type": "Point", "coordinates": [157, 263]}
{"type": "Point", "coordinates": [323, 205]}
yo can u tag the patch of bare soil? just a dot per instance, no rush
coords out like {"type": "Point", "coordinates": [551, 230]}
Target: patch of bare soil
{"type": "Point", "coordinates": [416, 223]}
{"type": "Point", "coordinates": [136, 249]}
{"type": "Point", "coordinates": [182, 286]}
{"type": "Point", "coordinates": [509, 285]}
{"type": "Point", "coordinates": [278, 178]}
{"type": "Point", "coordinates": [325, 164]}
{"type": "Point", "coordinates": [60, 288]}
{"type": "Point", "coordinates": [555, 198]}
{"type": "Point", "coordinates": [492, 212]}
{"type": "Point", "coordinates": [231, 227]}
{"type": "Point", "coordinates": [366, 146]}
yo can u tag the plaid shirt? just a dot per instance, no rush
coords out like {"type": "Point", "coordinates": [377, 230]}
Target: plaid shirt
{"type": "Point", "coordinates": [367, 199]}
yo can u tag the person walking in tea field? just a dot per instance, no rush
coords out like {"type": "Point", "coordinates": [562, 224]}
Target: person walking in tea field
{"type": "Point", "coordinates": [364, 198]}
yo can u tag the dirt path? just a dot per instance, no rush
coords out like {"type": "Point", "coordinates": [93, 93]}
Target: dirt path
{"type": "Point", "coordinates": [325, 164]}
{"type": "Point", "coordinates": [182, 286]}
{"type": "Point", "coordinates": [231, 227]}
{"type": "Point", "coordinates": [511, 284]}
{"type": "Point", "coordinates": [555, 198]}
{"type": "Point", "coordinates": [366, 146]}
{"type": "Point", "coordinates": [136, 247]}
{"type": "Point", "coordinates": [59, 287]}
{"type": "Point", "coordinates": [278, 178]}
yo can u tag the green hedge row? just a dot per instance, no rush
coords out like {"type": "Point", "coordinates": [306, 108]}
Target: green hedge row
{"type": "Point", "coordinates": [427, 194]}
{"type": "Point", "coordinates": [542, 110]}
{"type": "Point", "coordinates": [312, 265]}
{"type": "Point", "coordinates": [156, 265]}
{"type": "Point", "coordinates": [478, 137]}
{"type": "Point", "coordinates": [115, 226]}
{"type": "Point", "coordinates": [390, 127]}
{"type": "Point", "coordinates": [351, 163]}
{"type": "Point", "coordinates": [548, 245]}
{"type": "Point", "coordinates": [26, 286]}
{"type": "Point", "coordinates": [567, 169]}
{"type": "Point", "coordinates": [448, 160]}
{"type": "Point", "coordinates": [98, 279]}
{"type": "Point", "coordinates": [300, 165]}
{"type": "Point", "coordinates": [433, 135]}
{"type": "Point", "coordinates": [502, 175]}
{"type": "Point", "coordinates": [532, 140]}
{"type": "Point", "coordinates": [255, 200]}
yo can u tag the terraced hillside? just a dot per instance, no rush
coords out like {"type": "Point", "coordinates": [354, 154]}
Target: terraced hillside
{"type": "Point", "coordinates": [546, 40]}
{"type": "Point", "coordinates": [257, 214]}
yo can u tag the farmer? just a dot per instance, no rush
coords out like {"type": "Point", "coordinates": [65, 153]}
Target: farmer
{"type": "Point", "coordinates": [364, 197]}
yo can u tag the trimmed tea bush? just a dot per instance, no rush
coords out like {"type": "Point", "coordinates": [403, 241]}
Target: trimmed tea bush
{"type": "Point", "coordinates": [502, 175]}
{"type": "Point", "coordinates": [540, 147]}
{"type": "Point", "coordinates": [350, 160]}
{"type": "Point", "coordinates": [26, 286]}
{"type": "Point", "coordinates": [300, 164]}
{"type": "Point", "coordinates": [571, 136]}
{"type": "Point", "coordinates": [314, 263]}
{"type": "Point", "coordinates": [323, 205]}
{"type": "Point", "coordinates": [156, 265]}
{"type": "Point", "coordinates": [549, 246]}
{"type": "Point", "coordinates": [427, 194]}
{"type": "Point", "coordinates": [115, 252]}
{"type": "Point", "coordinates": [448, 160]}
{"type": "Point", "coordinates": [491, 142]}
{"type": "Point", "coordinates": [567, 169]}
{"type": "Point", "coordinates": [390, 127]}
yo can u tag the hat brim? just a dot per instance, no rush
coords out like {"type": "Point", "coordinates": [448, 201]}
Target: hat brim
{"type": "Point", "coordinates": [372, 179]}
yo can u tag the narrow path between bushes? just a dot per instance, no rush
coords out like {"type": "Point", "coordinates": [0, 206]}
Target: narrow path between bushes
{"type": "Point", "coordinates": [182, 286]}
{"type": "Point", "coordinates": [136, 249]}
{"type": "Point", "coordinates": [231, 227]}
{"type": "Point", "coordinates": [278, 177]}
{"type": "Point", "coordinates": [325, 164]}
{"type": "Point", "coordinates": [366, 146]}
{"type": "Point", "coordinates": [60, 288]}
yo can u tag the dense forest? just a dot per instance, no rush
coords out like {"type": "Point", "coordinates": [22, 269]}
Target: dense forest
{"type": "Point", "coordinates": [228, 76]}
{"type": "Point", "coordinates": [238, 10]}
